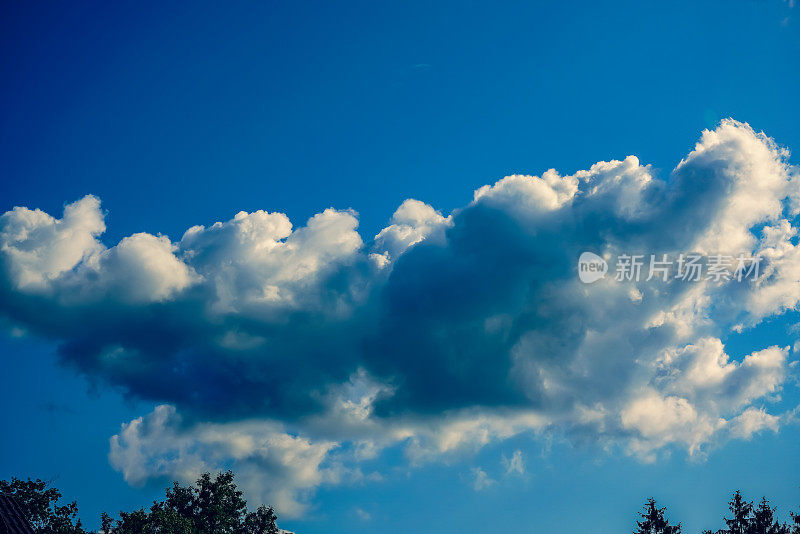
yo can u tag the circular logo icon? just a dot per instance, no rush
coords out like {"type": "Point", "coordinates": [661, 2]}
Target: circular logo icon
{"type": "Point", "coordinates": [591, 267]}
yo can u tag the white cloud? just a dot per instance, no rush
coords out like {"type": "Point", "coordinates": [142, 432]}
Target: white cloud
{"type": "Point", "coordinates": [64, 257]}
{"type": "Point", "coordinates": [659, 420]}
{"type": "Point", "coordinates": [753, 421]}
{"type": "Point", "coordinates": [514, 465]}
{"type": "Point", "coordinates": [530, 195]}
{"type": "Point", "coordinates": [481, 480]}
{"type": "Point", "coordinates": [757, 179]}
{"type": "Point", "coordinates": [271, 465]}
{"type": "Point", "coordinates": [413, 222]}
{"type": "Point", "coordinates": [444, 334]}
{"type": "Point", "coordinates": [39, 248]}
{"type": "Point", "coordinates": [703, 372]}
{"type": "Point", "coordinates": [256, 264]}
{"type": "Point", "coordinates": [465, 432]}
{"type": "Point", "coordinates": [141, 268]}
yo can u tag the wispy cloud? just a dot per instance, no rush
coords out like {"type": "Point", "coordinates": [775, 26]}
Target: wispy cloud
{"type": "Point", "coordinates": [514, 465]}
{"type": "Point", "coordinates": [481, 480]}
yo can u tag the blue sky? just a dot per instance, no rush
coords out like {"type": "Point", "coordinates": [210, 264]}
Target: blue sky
{"type": "Point", "coordinates": [182, 115]}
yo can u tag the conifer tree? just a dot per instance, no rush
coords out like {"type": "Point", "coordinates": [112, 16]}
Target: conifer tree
{"type": "Point", "coordinates": [764, 522]}
{"type": "Point", "coordinates": [654, 521]}
{"type": "Point", "coordinates": [741, 511]}
{"type": "Point", "coordinates": [794, 526]}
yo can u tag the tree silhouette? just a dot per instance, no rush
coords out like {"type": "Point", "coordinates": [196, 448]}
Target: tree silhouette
{"type": "Point", "coordinates": [213, 505]}
{"type": "Point", "coordinates": [749, 519]}
{"type": "Point", "coordinates": [654, 522]}
{"type": "Point", "coordinates": [741, 510]}
{"type": "Point", "coordinates": [795, 528]}
{"type": "Point", "coordinates": [136, 522]}
{"type": "Point", "coordinates": [763, 520]}
{"type": "Point", "coordinates": [219, 506]}
{"type": "Point", "coordinates": [262, 521]}
{"type": "Point", "coordinates": [168, 520]}
{"type": "Point", "coordinates": [39, 503]}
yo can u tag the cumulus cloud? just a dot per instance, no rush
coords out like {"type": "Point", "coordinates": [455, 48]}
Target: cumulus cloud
{"type": "Point", "coordinates": [441, 334]}
{"type": "Point", "coordinates": [752, 421]}
{"type": "Point", "coordinates": [703, 371]}
{"type": "Point", "coordinates": [39, 248]}
{"type": "Point", "coordinates": [659, 420]}
{"type": "Point", "coordinates": [256, 264]}
{"type": "Point", "coordinates": [271, 465]}
{"type": "Point", "coordinates": [413, 222]}
{"type": "Point", "coordinates": [64, 259]}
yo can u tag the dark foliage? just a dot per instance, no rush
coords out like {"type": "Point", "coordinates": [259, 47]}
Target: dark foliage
{"type": "Point", "coordinates": [654, 522]}
{"type": "Point", "coordinates": [213, 505]}
{"type": "Point", "coordinates": [745, 518]}
{"type": "Point", "coordinates": [39, 503]}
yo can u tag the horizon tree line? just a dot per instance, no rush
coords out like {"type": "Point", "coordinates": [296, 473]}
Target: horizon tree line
{"type": "Point", "coordinates": [214, 505]}
{"type": "Point", "coordinates": [745, 518]}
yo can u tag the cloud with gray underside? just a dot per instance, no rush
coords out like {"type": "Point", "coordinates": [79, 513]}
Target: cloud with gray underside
{"type": "Point", "coordinates": [303, 352]}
